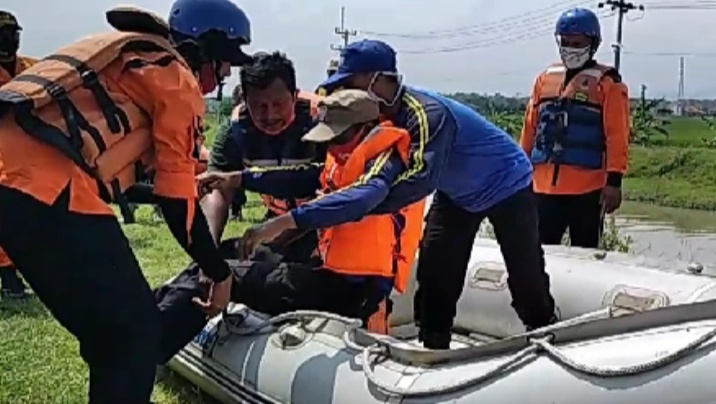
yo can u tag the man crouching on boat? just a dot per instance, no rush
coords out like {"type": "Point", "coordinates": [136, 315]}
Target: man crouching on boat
{"type": "Point", "coordinates": [360, 258]}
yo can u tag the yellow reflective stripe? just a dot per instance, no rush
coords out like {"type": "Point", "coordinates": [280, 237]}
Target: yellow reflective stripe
{"type": "Point", "coordinates": [423, 133]}
{"type": "Point", "coordinates": [295, 167]}
{"type": "Point", "coordinates": [380, 162]}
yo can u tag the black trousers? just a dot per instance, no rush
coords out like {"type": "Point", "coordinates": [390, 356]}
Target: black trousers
{"type": "Point", "coordinates": [580, 214]}
{"type": "Point", "coordinates": [445, 253]}
{"type": "Point", "coordinates": [84, 271]}
{"type": "Point", "coordinates": [265, 287]}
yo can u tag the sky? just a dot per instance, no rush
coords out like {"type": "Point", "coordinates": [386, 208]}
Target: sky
{"type": "Point", "coordinates": [494, 45]}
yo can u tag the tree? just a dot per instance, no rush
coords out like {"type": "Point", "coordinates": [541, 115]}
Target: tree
{"type": "Point", "coordinates": [507, 120]}
{"type": "Point", "coordinates": [645, 124]}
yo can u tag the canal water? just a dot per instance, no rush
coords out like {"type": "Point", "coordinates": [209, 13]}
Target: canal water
{"type": "Point", "coordinates": [670, 233]}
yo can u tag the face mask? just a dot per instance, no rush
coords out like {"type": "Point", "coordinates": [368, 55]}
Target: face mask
{"type": "Point", "coordinates": [277, 130]}
{"type": "Point", "coordinates": [574, 58]}
{"type": "Point", "coordinates": [375, 97]}
{"type": "Point", "coordinates": [207, 78]}
{"type": "Point", "coordinates": [9, 44]}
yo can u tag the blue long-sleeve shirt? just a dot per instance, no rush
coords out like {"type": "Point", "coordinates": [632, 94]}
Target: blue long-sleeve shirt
{"type": "Point", "coordinates": [456, 151]}
{"type": "Point", "coordinates": [352, 203]}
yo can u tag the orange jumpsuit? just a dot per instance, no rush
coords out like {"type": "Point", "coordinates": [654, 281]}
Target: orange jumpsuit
{"type": "Point", "coordinates": [21, 64]}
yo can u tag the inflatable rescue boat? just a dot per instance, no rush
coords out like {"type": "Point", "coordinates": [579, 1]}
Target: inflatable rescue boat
{"type": "Point", "coordinates": [631, 331]}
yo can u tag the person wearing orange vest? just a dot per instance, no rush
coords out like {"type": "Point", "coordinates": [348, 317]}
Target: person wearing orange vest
{"type": "Point", "coordinates": [264, 142]}
{"type": "Point", "coordinates": [576, 132]}
{"type": "Point", "coordinates": [360, 257]}
{"type": "Point", "coordinates": [76, 129]}
{"type": "Point", "coordinates": [11, 64]}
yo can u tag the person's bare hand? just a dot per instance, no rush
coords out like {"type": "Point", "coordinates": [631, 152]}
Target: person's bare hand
{"type": "Point", "coordinates": [259, 234]}
{"type": "Point", "coordinates": [611, 199]}
{"type": "Point", "coordinates": [218, 297]}
{"type": "Point", "coordinates": [211, 180]}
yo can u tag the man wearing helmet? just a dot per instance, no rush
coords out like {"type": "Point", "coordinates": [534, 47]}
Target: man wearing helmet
{"type": "Point", "coordinates": [70, 150]}
{"type": "Point", "coordinates": [11, 64]}
{"type": "Point", "coordinates": [576, 132]}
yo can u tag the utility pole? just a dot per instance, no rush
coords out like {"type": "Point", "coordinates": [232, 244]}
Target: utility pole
{"type": "Point", "coordinates": [343, 32]}
{"type": "Point", "coordinates": [681, 102]}
{"type": "Point", "coordinates": [622, 8]}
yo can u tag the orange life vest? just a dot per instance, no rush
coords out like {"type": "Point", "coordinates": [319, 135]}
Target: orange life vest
{"type": "Point", "coordinates": [301, 153]}
{"type": "Point", "coordinates": [370, 246]}
{"type": "Point", "coordinates": [56, 100]}
{"type": "Point", "coordinates": [571, 130]}
{"type": "Point", "coordinates": [22, 63]}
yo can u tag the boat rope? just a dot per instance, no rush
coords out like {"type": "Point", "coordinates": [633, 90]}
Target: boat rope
{"type": "Point", "coordinates": [376, 353]}
{"type": "Point", "coordinates": [373, 354]}
{"type": "Point", "coordinates": [301, 316]}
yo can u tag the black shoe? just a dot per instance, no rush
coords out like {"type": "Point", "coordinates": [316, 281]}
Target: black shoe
{"type": "Point", "coordinates": [12, 286]}
{"type": "Point", "coordinates": [552, 320]}
{"type": "Point", "coordinates": [435, 339]}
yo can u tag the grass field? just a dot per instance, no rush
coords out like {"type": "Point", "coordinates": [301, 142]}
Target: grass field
{"type": "Point", "coordinates": [679, 171]}
{"type": "Point", "coordinates": [686, 132]}
{"type": "Point", "coordinates": [39, 360]}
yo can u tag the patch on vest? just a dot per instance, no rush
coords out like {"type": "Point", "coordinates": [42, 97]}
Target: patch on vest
{"type": "Point", "coordinates": [582, 93]}
{"type": "Point", "coordinates": [321, 113]}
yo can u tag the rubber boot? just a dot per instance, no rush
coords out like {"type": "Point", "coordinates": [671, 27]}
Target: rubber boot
{"type": "Point", "coordinates": [435, 339]}
{"type": "Point", "coordinates": [11, 286]}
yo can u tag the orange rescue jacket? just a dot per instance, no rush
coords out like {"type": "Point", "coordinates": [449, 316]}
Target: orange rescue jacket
{"type": "Point", "coordinates": [57, 101]}
{"type": "Point", "coordinates": [378, 245]}
{"type": "Point", "coordinates": [592, 91]}
{"type": "Point", "coordinates": [22, 63]}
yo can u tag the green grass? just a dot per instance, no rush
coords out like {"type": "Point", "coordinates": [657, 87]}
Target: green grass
{"type": "Point", "coordinates": [673, 176]}
{"type": "Point", "coordinates": [686, 132]}
{"type": "Point", "coordinates": [39, 360]}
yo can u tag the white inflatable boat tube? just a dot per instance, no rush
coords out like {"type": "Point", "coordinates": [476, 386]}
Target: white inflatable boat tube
{"type": "Point", "coordinates": [634, 331]}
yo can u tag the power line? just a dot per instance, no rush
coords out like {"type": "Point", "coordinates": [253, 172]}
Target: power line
{"type": "Point", "coordinates": [535, 24]}
{"type": "Point", "coordinates": [682, 5]}
{"type": "Point", "coordinates": [343, 32]}
{"type": "Point", "coordinates": [525, 32]}
{"type": "Point", "coordinates": [672, 54]}
{"type": "Point", "coordinates": [537, 14]}
{"type": "Point", "coordinates": [622, 8]}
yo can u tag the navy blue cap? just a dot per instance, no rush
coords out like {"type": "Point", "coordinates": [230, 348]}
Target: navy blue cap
{"type": "Point", "coordinates": [366, 56]}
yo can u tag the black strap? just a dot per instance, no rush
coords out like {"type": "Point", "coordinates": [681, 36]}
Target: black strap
{"type": "Point", "coordinates": [116, 118]}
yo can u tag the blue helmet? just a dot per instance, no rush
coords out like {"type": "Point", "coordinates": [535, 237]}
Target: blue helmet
{"type": "Point", "coordinates": [218, 27]}
{"type": "Point", "coordinates": [579, 21]}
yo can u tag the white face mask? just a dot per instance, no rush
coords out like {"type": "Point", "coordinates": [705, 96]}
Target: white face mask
{"type": "Point", "coordinates": [574, 58]}
{"type": "Point", "coordinates": [375, 97]}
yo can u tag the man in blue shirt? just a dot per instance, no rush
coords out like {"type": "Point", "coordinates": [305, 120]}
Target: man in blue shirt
{"type": "Point", "coordinates": [478, 171]}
